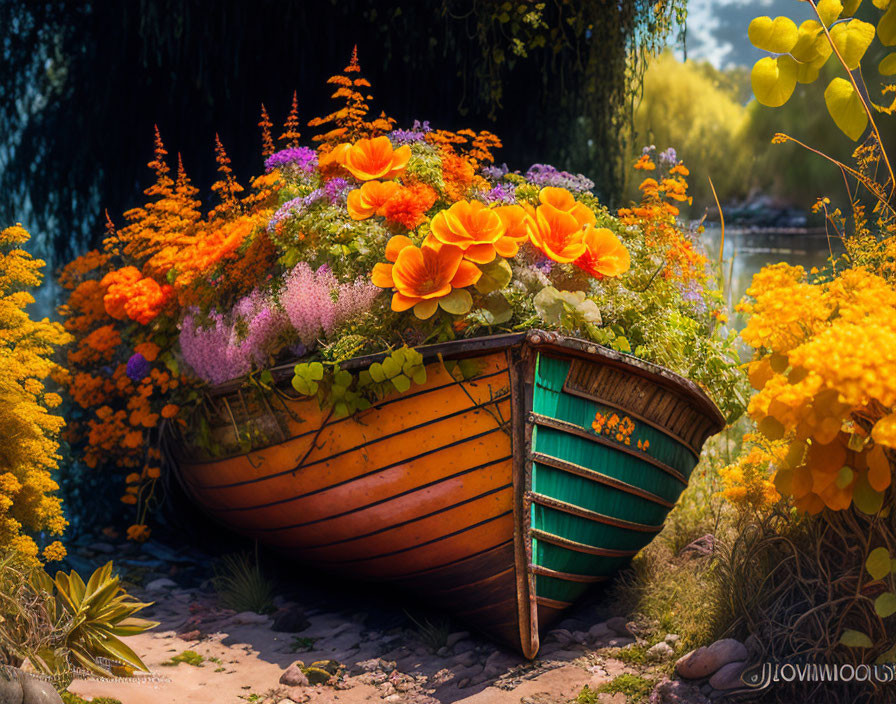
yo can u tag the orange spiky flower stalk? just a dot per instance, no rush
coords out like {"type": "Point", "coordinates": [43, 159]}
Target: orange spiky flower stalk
{"type": "Point", "coordinates": [226, 187]}
{"type": "Point", "coordinates": [350, 121]}
{"type": "Point", "coordinates": [291, 132]}
{"type": "Point", "coordinates": [163, 184]}
{"type": "Point", "coordinates": [111, 241]}
{"type": "Point", "coordinates": [267, 141]}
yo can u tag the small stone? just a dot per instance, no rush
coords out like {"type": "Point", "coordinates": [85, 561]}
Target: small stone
{"type": "Point", "coordinates": [580, 636]}
{"type": "Point", "coordinates": [286, 701]}
{"type": "Point", "coordinates": [249, 618]}
{"type": "Point", "coordinates": [454, 638]}
{"type": "Point", "coordinates": [659, 652]}
{"type": "Point", "coordinates": [290, 619]}
{"type": "Point", "coordinates": [620, 642]}
{"type": "Point", "coordinates": [10, 690]}
{"type": "Point", "coordinates": [672, 639]}
{"type": "Point", "coordinates": [561, 635]}
{"type": "Point", "coordinates": [728, 676]}
{"type": "Point", "coordinates": [158, 585]}
{"type": "Point", "coordinates": [393, 697]}
{"type": "Point", "coordinates": [463, 683]}
{"type": "Point", "coordinates": [294, 675]}
{"type": "Point", "coordinates": [708, 659]}
{"type": "Point", "coordinates": [615, 698]}
{"type": "Point", "coordinates": [676, 692]}
{"type": "Point", "coordinates": [191, 635]}
{"type": "Point", "coordinates": [599, 630]}
{"type": "Point", "coordinates": [467, 658]}
{"type": "Point", "coordinates": [443, 652]}
{"type": "Point", "coordinates": [35, 691]}
{"type": "Point", "coordinates": [617, 624]}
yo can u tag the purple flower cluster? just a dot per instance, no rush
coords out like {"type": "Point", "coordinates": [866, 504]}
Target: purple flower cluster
{"type": "Point", "coordinates": [546, 175]}
{"type": "Point", "coordinates": [300, 158]}
{"type": "Point", "coordinates": [669, 157]}
{"type": "Point", "coordinates": [417, 133]}
{"type": "Point", "coordinates": [137, 367]}
{"type": "Point", "coordinates": [495, 173]}
{"type": "Point", "coordinates": [233, 345]}
{"type": "Point", "coordinates": [693, 293]}
{"type": "Point", "coordinates": [317, 303]}
{"type": "Point", "coordinates": [501, 193]}
{"type": "Point", "coordinates": [336, 190]}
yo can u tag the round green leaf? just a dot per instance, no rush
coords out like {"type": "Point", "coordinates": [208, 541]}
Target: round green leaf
{"type": "Point", "coordinates": [887, 67]}
{"type": "Point", "coordinates": [458, 302]}
{"type": "Point", "coordinates": [885, 604]}
{"type": "Point", "coordinates": [852, 40]}
{"type": "Point", "coordinates": [844, 477]}
{"type": "Point", "coordinates": [316, 371]}
{"type": "Point", "coordinates": [495, 276]}
{"type": "Point", "coordinates": [771, 427]}
{"type": "Point", "coordinates": [886, 27]}
{"type": "Point", "coordinates": [377, 373]}
{"type": "Point", "coordinates": [865, 497]}
{"type": "Point", "coordinates": [855, 639]}
{"type": "Point", "coordinates": [878, 563]}
{"type": "Point", "coordinates": [774, 80]}
{"type": "Point", "coordinates": [846, 108]}
{"type": "Point", "coordinates": [402, 383]}
{"type": "Point", "coordinates": [777, 36]}
{"type": "Point", "coordinates": [391, 368]}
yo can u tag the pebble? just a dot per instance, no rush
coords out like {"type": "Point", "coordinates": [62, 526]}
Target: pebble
{"type": "Point", "coordinates": [708, 659]}
{"type": "Point", "coordinates": [35, 691]}
{"type": "Point", "coordinates": [293, 676]}
{"type": "Point", "coordinates": [676, 692]}
{"type": "Point", "coordinates": [10, 691]}
{"type": "Point", "coordinates": [728, 676]}
{"type": "Point", "coordinates": [467, 658]}
{"type": "Point", "coordinates": [561, 635]}
{"type": "Point", "coordinates": [620, 642]}
{"type": "Point", "coordinates": [462, 684]}
{"type": "Point", "coordinates": [454, 638]}
{"type": "Point", "coordinates": [290, 619]}
{"type": "Point", "coordinates": [659, 652]}
{"type": "Point", "coordinates": [158, 585]}
{"type": "Point", "coordinates": [599, 630]}
{"type": "Point", "coordinates": [672, 639]}
{"type": "Point", "coordinates": [618, 624]}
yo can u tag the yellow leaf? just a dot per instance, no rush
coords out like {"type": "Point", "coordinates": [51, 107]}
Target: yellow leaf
{"type": "Point", "coordinates": [777, 36]}
{"type": "Point", "coordinates": [773, 80]}
{"type": "Point", "coordinates": [886, 27]}
{"type": "Point", "coordinates": [882, 4]}
{"type": "Point", "coordinates": [846, 108]}
{"type": "Point", "coordinates": [850, 6]}
{"type": "Point", "coordinates": [879, 472]}
{"type": "Point", "coordinates": [852, 40]}
{"type": "Point", "coordinates": [829, 10]}
{"type": "Point", "coordinates": [887, 66]}
{"type": "Point", "coordinates": [809, 44]}
{"type": "Point", "coordinates": [884, 431]}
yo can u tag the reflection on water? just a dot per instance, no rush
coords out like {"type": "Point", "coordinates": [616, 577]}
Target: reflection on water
{"type": "Point", "coordinates": [752, 250]}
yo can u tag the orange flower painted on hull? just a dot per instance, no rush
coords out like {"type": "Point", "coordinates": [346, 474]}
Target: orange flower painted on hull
{"type": "Point", "coordinates": [369, 159]}
{"type": "Point", "coordinates": [425, 277]}
{"type": "Point", "coordinates": [370, 198]}
{"type": "Point", "coordinates": [481, 232]}
{"type": "Point", "coordinates": [605, 254]}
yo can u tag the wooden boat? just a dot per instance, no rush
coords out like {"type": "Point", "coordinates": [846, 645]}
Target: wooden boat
{"type": "Point", "coordinates": [500, 498]}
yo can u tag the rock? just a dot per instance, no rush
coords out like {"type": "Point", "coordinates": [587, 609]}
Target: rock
{"type": "Point", "coordinates": [615, 698]}
{"type": "Point", "coordinates": [249, 618]}
{"type": "Point", "coordinates": [728, 676]}
{"type": "Point", "coordinates": [672, 639]}
{"type": "Point", "coordinates": [375, 664]}
{"type": "Point", "coordinates": [561, 635]}
{"type": "Point", "coordinates": [158, 585]}
{"type": "Point", "coordinates": [580, 636]}
{"type": "Point", "coordinates": [35, 691]}
{"type": "Point", "coordinates": [706, 660]}
{"type": "Point", "coordinates": [599, 630]}
{"type": "Point", "coordinates": [676, 692]}
{"type": "Point", "coordinates": [10, 690]}
{"type": "Point", "coordinates": [294, 676]}
{"type": "Point", "coordinates": [290, 619]}
{"type": "Point", "coordinates": [659, 652]}
{"type": "Point", "coordinates": [468, 658]}
{"type": "Point", "coordinates": [462, 684]}
{"type": "Point", "coordinates": [617, 624]}
{"type": "Point", "coordinates": [620, 642]}
{"type": "Point", "coordinates": [454, 638]}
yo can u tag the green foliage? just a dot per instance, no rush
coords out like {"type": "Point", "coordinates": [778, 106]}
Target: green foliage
{"type": "Point", "coordinates": [242, 586]}
{"type": "Point", "coordinates": [346, 393]}
{"type": "Point", "coordinates": [634, 687]}
{"type": "Point", "coordinates": [72, 698]}
{"type": "Point", "coordinates": [433, 632]}
{"type": "Point", "coordinates": [302, 644]}
{"type": "Point", "coordinates": [191, 657]}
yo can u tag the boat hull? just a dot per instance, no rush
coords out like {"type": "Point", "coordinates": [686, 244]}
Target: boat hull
{"type": "Point", "coordinates": [501, 497]}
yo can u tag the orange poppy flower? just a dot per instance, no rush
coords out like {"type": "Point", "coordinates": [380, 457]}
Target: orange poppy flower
{"type": "Point", "coordinates": [170, 410]}
{"type": "Point", "coordinates": [369, 159]}
{"type": "Point", "coordinates": [556, 227]}
{"type": "Point", "coordinates": [370, 198]}
{"type": "Point", "coordinates": [479, 231]}
{"type": "Point", "coordinates": [422, 276]}
{"type": "Point", "coordinates": [605, 254]}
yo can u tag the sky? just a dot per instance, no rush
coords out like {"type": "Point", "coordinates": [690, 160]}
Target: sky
{"type": "Point", "coordinates": [717, 29]}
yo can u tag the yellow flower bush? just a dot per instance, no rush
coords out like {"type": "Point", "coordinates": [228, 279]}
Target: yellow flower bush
{"type": "Point", "coordinates": [28, 451]}
{"type": "Point", "coordinates": [825, 375]}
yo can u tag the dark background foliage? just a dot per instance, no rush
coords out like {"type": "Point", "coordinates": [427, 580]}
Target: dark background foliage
{"type": "Point", "coordinates": [83, 83]}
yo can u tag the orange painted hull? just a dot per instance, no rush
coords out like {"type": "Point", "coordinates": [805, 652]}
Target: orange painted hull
{"type": "Point", "coordinates": [426, 489]}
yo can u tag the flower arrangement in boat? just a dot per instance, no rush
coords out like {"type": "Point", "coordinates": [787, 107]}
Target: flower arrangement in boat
{"type": "Point", "coordinates": [367, 238]}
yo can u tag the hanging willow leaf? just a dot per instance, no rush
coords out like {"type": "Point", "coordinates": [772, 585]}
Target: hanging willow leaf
{"type": "Point", "coordinates": [846, 108]}
{"type": "Point", "coordinates": [774, 79]}
{"type": "Point", "coordinates": [777, 36]}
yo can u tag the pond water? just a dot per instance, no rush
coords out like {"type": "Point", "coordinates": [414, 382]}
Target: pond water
{"type": "Point", "coordinates": [753, 249]}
